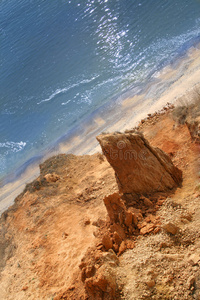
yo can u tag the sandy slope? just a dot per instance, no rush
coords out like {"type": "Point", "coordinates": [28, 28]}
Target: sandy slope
{"type": "Point", "coordinates": [50, 229]}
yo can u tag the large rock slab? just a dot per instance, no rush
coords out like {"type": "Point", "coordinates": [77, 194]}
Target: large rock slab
{"type": "Point", "coordinates": [139, 168]}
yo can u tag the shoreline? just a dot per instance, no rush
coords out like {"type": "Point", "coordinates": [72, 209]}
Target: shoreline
{"type": "Point", "coordinates": [170, 85]}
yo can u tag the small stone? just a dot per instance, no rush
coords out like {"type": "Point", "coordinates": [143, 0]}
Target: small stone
{"type": "Point", "coordinates": [190, 282]}
{"type": "Point", "coordinates": [24, 288]}
{"type": "Point", "coordinates": [195, 268]}
{"type": "Point", "coordinates": [100, 247]}
{"type": "Point", "coordinates": [147, 229]}
{"type": "Point", "coordinates": [86, 222]}
{"type": "Point", "coordinates": [110, 257]}
{"type": "Point", "coordinates": [171, 228]}
{"type": "Point", "coordinates": [119, 230]}
{"type": "Point", "coordinates": [130, 244]}
{"type": "Point", "coordinates": [95, 233]}
{"type": "Point", "coordinates": [187, 216]}
{"type": "Point", "coordinates": [184, 221]}
{"type": "Point", "coordinates": [147, 202]}
{"type": "Point", "coordinates": [122, 248]}
{"type": "Point", "coordinates": [134, 219]}
{"type": "Point", "coordinates": [160, 202]}
{"type": "Point", "coordinates": [115, 247]}
{"type": "Point", "coordinates": [82, 265]}
{"type": "Point", "coordinates": [151, 283]}
{"type": "Point", "coordinates": [147, 219]}
{"type": "Point", "coordinates": [143, 224]}
{"type": "Point", "coordinates": [98, 223]}
{"type": "Point", "coordinates": [128, 218]}
{"type": "Point", "coordinates": [163, 245]}
{"type": "Point", "coordinates": [131, 229]}
{"type": "Point", "coordinates": [64, 235]}
{"type": "Point", "coordinates": [117, 239]}
{"type": "Point", "coordinates": [194, 259]}
{"type": "Point", "coordinates": [156, 230]}
{"type": "Point", "coordinates": [107, 241]}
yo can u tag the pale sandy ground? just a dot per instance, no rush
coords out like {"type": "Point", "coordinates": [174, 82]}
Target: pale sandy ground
{"type": "Point", "coordinates": [172, 85]}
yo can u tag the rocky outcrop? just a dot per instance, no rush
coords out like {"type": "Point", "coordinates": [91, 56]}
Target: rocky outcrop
{"type": "Point", "coordinates": [98, 273]}
{"type": "Point", "coordinates": [140, 169]}
{"type": "Point", "coordinates": [127, 222]}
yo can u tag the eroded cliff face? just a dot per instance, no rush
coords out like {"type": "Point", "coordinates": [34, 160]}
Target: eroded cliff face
{"type": "Point", "coordinates": [67, 234]}
{"type": "Point", "coordinates": [140, 169]}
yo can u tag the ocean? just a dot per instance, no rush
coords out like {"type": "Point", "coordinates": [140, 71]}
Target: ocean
{"type": "Point", "coordinates": [62, 62]}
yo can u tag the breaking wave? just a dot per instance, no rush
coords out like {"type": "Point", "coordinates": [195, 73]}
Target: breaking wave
{"type": "Point", "coordinates": [66, 89]}
{"type": "Point", "coordinates": [12, 146]}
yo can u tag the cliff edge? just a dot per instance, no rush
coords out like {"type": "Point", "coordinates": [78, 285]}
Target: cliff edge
{"type": "Point", "coordinates": [77, 233]}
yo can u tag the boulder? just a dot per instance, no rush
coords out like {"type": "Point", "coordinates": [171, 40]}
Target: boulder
{"type": "Point", "coordinates": [107, 242]}
{"type": "Point", "coordinates": [171, 228]}
{"type": "Point", "coordinates": [140, 169]}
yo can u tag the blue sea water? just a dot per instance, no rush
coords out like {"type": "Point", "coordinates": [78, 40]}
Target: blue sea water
{"type": "Point", "coordinates": [63, 60]}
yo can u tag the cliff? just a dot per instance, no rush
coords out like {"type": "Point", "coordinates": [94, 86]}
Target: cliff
{"type": "Point", "coordinates": [77, 233]}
